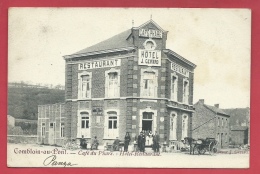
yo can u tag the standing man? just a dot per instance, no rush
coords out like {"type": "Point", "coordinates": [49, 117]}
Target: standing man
{"type": "Point", "coordinates": [139, 141]}
{"type": "Point", "coordinates": [127, 140]}
{"type": "Point", "coordinates": [156, 140]}
{"type": "Point", "coordinates": [143, 139]}
{"type": "Point", "coordinates": [95, 143]}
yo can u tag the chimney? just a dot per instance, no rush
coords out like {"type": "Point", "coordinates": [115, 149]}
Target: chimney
{"type": "Point", "coordinates": [201, 101]}
{"type": "Point", "coordinates": [216, 105]}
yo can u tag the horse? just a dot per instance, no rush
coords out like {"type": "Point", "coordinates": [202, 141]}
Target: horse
{"type": "Point", "coordinates": [191, 142]}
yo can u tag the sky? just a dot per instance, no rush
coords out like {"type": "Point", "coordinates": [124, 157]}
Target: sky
{"type": "Point", "coordinates": [218, 41]}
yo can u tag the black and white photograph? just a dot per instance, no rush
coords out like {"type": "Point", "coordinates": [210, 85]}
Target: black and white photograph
{"type": "Point", "coordinates": [129, 87]}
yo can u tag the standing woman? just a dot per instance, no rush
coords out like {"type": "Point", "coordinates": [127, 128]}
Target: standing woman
{"type": "Point", "coordinates": [127, 140]}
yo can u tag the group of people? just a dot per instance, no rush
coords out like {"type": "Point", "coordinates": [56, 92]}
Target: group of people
{"type": "Point", "coordinates": [94, 144]}
{"type": "Point", "coordinates": [145, 138]}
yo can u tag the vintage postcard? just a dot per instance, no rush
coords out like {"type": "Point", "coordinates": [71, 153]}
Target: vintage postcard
{"type": "Point", "coordinates": [129, 87]}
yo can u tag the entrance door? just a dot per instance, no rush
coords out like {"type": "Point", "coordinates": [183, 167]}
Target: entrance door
{"type": "Point", "coordinates": [147, 121]}
{"type": "Point", "coordinates": [147, 125]}
{"type": "Point", "coordinates": [52, 133]}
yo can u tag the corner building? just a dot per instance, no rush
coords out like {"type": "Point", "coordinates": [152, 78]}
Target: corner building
{"type": "Point", "coordinates": [128, 83]}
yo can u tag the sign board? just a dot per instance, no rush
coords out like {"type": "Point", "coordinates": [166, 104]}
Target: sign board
{"type": "Point", "coordinates": [149, 57]}
{"type": "Point", "coordinates": [179, 69]}
{"type": "Point", "coordinates": [150, 33]}
{"type": "Point", "coordinates": [97, 111]}
{"type": "Point", "coordinates": [99, 64]}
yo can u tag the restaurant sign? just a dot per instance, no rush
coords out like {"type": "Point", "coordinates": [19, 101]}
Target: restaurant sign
{"type": "Point", "coordinates": [179, 69]}
{"type": "Point", "coordinates": [99, 64]}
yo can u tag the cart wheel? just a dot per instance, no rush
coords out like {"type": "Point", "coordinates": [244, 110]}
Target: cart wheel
{"type": "Point", "coordinates": [196, 150]}
{"type": "Point", "coordinates": [214, 150]}
{"type": "Point", "coordinates": [202, 151]}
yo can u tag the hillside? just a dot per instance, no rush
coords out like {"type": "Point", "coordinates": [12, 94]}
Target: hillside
{"type": "Point", "coordinates": [23, 101]}
{"type": "Point", "coordinates": [238, 116]}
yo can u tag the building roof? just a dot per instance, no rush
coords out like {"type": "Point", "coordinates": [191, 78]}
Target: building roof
{"type": "Point", "coordinates": [26, 120]}
{"type": "Point", "coordinates": [239, 128]}
{"type": "Point", "coordinates": [168, 51]}
{"type": "Point", "coordinates": [216, 110]}
{"type": "Point", "coordinates": [118, 41]}
{"type": "Point", "coordinates": [122, 42]}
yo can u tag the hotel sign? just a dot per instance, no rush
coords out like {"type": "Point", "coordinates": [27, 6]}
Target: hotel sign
{"type": "Point", "coordinates": [150, 33]}
{"type": "Point", "coordinates": [99, 64]}
{"type": "Point", "coordinates": [149, 57]}
{"type": "Point", "coordinates": [179, 69]}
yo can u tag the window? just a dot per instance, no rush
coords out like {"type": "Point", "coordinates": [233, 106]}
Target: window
{"type": "Point", "coordinates": [111, 126]}
{"type": "Point", "coordinates": [112, 122]}
{"type": "Point", "coordinates": [218, 121]}
{"type": "Point", "coordinates": [184, 126]}
{"type": "Point", "coordinates": [84, 88]}
{"type": "Point", "coordinates": [149, 83]}
{"type": "Point", "coordinates": [174, 88]}
{"type": "Point", "coordinates": [84, 120]}
{"type": "Point", "coordinates": [185, 92]}
{"type": "Point", "coordinates": [43, 129]}
{"type": "Point", "coordinates": [83, 124]}
{"type": "Point", "coordinates": [222, 122]}
{"type": "Point", "coordinates": [173, 126]}
{"type": "Point", "coordinates": [112, 83]}
{"type": "Point", "coordinates": [226, 122]}
{"type": "Point", "coordinates": [226, 138]}
{"type": "Point", "coordinates": [62, 130]}
{"type": "Point", "coordinates": [147, 116]}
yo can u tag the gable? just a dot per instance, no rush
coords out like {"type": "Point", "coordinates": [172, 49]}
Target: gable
{"type": "Point", "coordinates": [152, 25]}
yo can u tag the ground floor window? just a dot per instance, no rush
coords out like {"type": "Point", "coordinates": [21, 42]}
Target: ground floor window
{"type": "Point", "coordinates": [173, 126]}
{"type": "Point", "coordinates": [43, 129]}
{"type": "Point", "coordinates": [62, 130]}
{"type": "Point", "coordinates": [184, 126]}
{"type": "Point", "coordinates": [111, 125]}
{"type": "Point", "coordinates": [84, 124]}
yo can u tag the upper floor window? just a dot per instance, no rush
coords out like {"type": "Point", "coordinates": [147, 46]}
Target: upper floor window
{"type": "Point", "coordinates": [218, 121]}
{"type": "Point", "coordinates": [112, 84]}
{"type": "Point", "coordinates": [84, 88]}
{"type": "Point", "coordinates": [149, 83]}
{"type": "Point", "coordinates": [222, 122]}
{"type": "Point", "coordinates": [226, 122]}
{"type": "Point", "coordinates": [186, 92]}
{"type": "Point", "coordinates": [174, 87]}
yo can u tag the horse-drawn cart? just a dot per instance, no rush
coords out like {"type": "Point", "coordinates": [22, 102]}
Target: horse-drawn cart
{"type": "Point", "coordinates": [205, 145]}
{"type": "Point", "coordinates": [201, 146]}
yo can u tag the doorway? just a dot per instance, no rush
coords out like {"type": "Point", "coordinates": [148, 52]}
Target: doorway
{"type": "Point", "coordinates": [147, 125]}
{"type": "Point", "coordinates": [52, 133]}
